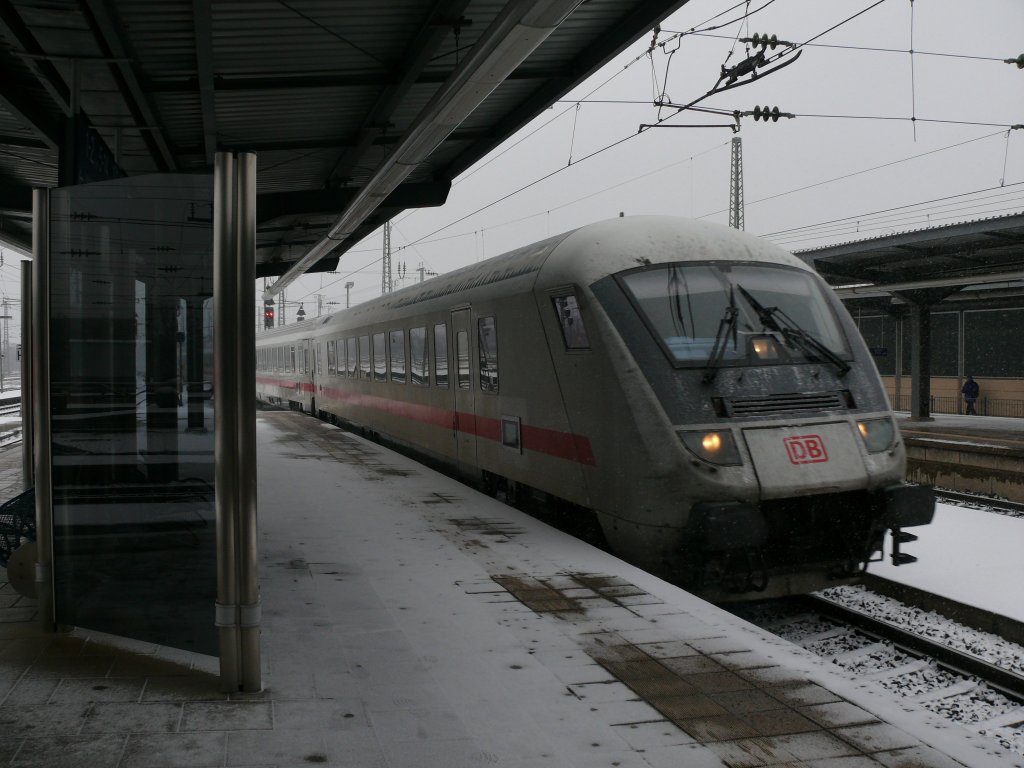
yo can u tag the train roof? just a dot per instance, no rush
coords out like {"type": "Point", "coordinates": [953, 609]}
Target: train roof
{"type": "Point", "coordinates": [577, 257]}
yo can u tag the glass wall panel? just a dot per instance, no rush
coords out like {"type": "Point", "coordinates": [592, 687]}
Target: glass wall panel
{"type": "Point", "coordinates": [879, 332]}
{"type": "Point", "coordinates": [994, 343]}
{"type": "Point", "coordinates": [132, 409]}
{"type": "Point", "coordinates": [945, 343]}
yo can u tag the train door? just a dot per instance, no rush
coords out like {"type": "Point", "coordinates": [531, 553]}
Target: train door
{"type": "Point", "coordinates": [464, 417]}
{"type": "Point", "coordinates": [313, 372]}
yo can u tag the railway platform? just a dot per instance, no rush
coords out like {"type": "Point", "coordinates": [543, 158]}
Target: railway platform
{"type": "Point", "coordinates": [409, 621]}
{"type": "Point", "coordinates": [973, 454]}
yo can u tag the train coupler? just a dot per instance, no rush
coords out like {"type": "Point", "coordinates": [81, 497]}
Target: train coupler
{"type": "Point", "coordinates": [901, 537]}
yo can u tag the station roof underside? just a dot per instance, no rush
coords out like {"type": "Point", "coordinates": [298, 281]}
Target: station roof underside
{"type": "Point", "coordinates": [321, 90]}
{"type": "Point", "coordinates": [938, 260]}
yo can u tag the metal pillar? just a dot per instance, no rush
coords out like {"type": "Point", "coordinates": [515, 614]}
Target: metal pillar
{"type": "Point", "coordinates": [736, 184]}
{"type": "Point", "coordinates": [40, 364]}
{"type": "Point", "coordinates": [234, 238]}
{"type": "Point", "coordinates": [27, 412]}
{"type": "Point", "coordinates": [386, 282]}
{"type": "Point", "coordinates": [245, 403]}
{"type": "Point", "coordinates": [920, 362]}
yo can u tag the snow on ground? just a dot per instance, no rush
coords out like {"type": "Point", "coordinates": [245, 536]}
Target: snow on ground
{"type": "Point", "coordinates": [968, 555]}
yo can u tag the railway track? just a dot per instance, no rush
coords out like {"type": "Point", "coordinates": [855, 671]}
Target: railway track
{"type": "Point", "coordinates": [973, 679]}
{"type": "Point", "coordinates": [973, 499]}
{"type": "Point", "coordinates": [960, 663]}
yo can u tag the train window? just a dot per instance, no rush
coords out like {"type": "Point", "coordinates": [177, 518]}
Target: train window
{"type": "Point", "coordinates": [293, 366]}
{"type": "Point", "coordinates": [685, 306]}
{"type": "Point", "coordinates": [441, 355]}
{"type": "Point", "coordinates": [353, 356]}
{"type": "Point", "coordinates": [380, 358]}
{"type": "Point", "coordinates": [487, 335]}
{"type": "Point", "coordinates": [418, 356]}
{"type": "Point", "coordinates": [316, 355]}
{"type": "Point", "coordinates": [462, 359]}
{"type": "Point", "coordinates": [398, 356]}
{"type": "Point", "coordinates": [569, 318]}
{"type": "Point", "coordinates": [510, 432]}
{"type": "Point", "coordinates": [364, 357]}
{"type": "Point", "coordinates": [332, 360]}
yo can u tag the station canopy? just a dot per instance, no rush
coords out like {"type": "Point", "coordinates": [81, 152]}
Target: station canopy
{"type": "Point", "coordinates": [982, 255]}
{"type": "Point", "coordinates": [326, 92]}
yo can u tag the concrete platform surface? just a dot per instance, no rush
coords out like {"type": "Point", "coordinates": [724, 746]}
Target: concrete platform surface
{"type": "Point", "coordinates": [411, 622]}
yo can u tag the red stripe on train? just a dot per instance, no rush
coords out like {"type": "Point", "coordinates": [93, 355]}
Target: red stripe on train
{"type": "Point", "coordinates": [562, 445]}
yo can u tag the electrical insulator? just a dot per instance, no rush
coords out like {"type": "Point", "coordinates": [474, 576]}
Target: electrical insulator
{"type": "Point", "coordinates": [767, 113]}
{"type": "Point", "coordinates": [764, 41]}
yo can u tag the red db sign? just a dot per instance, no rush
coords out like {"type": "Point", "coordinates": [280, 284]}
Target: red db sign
{"type": "Point", "coordinates": [805, 449]}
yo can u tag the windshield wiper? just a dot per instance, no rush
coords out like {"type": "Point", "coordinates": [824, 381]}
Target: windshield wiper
{"type": "Point", "coordinates": [726, 328]}
{"type": "Point", "coordinates": [793, 334]}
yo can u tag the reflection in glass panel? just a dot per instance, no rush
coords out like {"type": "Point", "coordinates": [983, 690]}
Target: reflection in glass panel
{"type": "Point", "coordinates": [571, 321]}
{"type": "Point", "coordinates": [418, 355]}
{"type": "Point", "coordinates": [132, 409]}
{"type": "Point", "coordinates": [487, 336]}
{"type": "Point", "coordinates": [380, 360]}
{"type": "Point", "coordinates": [398, 356]}
{"type": "Point", "coordinates": [462, 358]}
{"type": "Point", "coordinates": [441, 355]}
{"type": "Point", "coordinates": [364, 357]}
{"type": "Point", "coordinates": [332, 365]}
{"type": "Point", "coordinates": [353, 356]}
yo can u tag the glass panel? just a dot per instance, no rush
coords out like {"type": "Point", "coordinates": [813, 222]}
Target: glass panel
{"type": "Point", "coordinates": [571, 322]}
{"type": "Point", "coordinates": [487, 335]}
{"type": "Point", "coordinates": [398, 356]}
{"type": "Point", "coordinates": [332, 360]}
{"type": "Point", "coordinates": [462, 355]}
{"type": "Point", "coordinates": [945, 344]}
{"type": "Point", "coordinates": [441, 355]}
{"type": "Point", "coordinates": [684, 305]}
{"type": "Point", "coordinates": [380, 370]}
{"type": "Point", "coordinates": [132, 409]}
{"type": "Point", "coordinates": [418, 355]}
{"type": "Point", "coordinates": [364, 357]}
{"type": "Point", "coordinates": [989, 350]}
{"type": "Point", "coordinates": [353, 357]}
{"type": "Point", "coordinates": [879, 334]}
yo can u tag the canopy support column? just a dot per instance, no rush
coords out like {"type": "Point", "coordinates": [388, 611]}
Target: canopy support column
{"type": "Point", "coordinates": [234, 255]}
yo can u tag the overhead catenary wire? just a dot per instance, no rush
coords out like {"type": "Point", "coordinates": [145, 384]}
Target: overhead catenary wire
{"type": "Point", "coordinates": [573, 104]}
{"type": "Point", "coordinates": [857, 173]}
{"type": "Point", "coordinates": [879, 216]}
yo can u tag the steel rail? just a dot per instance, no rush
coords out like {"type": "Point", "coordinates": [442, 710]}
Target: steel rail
{"type": "Point", "coordinates": [1010, 684]}
{"type": "Point", "coordinates": [973, 498]}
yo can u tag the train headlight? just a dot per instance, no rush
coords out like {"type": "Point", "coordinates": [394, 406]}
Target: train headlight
{"type": "Point", "coordinates": [716, 447]}
{"type": "Point", "coordinates": [878, 434]}
{"type": "Point", "coordinates": [763, 348]}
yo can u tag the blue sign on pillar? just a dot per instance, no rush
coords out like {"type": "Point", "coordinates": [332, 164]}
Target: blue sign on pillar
{"type": "Point", "coordinates": [131, 286]}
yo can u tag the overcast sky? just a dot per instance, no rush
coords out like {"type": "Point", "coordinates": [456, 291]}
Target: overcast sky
{"type": "Point", "coordinates": [797, 172]}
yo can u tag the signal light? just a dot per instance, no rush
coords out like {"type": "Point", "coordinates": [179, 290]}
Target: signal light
{"type": "Point", "coordinates": [268, 313]}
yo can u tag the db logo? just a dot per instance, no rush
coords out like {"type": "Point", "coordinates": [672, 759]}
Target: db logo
{"type": "Point", "coordinates": [805, 449]}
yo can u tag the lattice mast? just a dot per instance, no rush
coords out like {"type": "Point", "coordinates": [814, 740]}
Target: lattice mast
{"type": "Point", "coordinates": [736, 184]}
{"type": "Point", "coordinates": [387, 283]}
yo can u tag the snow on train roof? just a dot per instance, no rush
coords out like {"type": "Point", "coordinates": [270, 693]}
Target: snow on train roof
{"type": "Point", "coordinates": [579, 256]}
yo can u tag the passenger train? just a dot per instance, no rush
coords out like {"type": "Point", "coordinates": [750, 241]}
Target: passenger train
{"type": "Point", "coordinates": [699, 391]}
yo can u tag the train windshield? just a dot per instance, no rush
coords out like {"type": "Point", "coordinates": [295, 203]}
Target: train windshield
{"type": "Point", "coordinates": [727, 313]}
